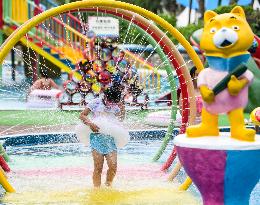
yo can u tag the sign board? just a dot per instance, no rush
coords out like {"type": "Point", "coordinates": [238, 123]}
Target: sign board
{"type": "Point", "coordinates": [104, 26]}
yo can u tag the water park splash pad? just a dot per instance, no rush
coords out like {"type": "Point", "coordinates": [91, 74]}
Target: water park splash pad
{"type": "Point", "coordinates": [68, 167]}
{"type": "Point", "coordinates": [161, 38]}
{"type": "Point", "coordinates": [55, 173]}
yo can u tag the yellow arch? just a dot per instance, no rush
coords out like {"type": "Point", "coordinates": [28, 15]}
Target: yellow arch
{"type": "Point", "coordinates": [20, 32]}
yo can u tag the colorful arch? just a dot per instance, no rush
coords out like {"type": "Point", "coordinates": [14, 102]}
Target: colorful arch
{"type": "Point", "coordinates": [181, 70]}
{"type": "Point", "coordinates": [34, 21]}
{"type": "Point", "coordinates": [14, 38]}
{"type": "Point", "coordinates": [21, 31]}
{"type": "Point", "coordinates": [183, 74]}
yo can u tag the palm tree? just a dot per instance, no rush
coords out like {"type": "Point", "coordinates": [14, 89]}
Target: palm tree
{"type": "Point", "coordinates": [190, 7]}
{"type": "Point", "coordinates": [201, 7]}
{"type": "Point", "coordinates": [170, 6]}
{"type": "Point", "coordinates": [231, 2]}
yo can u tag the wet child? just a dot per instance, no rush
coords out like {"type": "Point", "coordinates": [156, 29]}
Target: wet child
{"type": "Point", "coordinates": [104, 109]}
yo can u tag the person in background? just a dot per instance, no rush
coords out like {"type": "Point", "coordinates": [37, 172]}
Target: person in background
{"type": "Point", "coordinates": [194, 75]}
{"type": "Point", "coordinates": [121, 56]}
{"type": "Point", "coordinates": [44, 83]}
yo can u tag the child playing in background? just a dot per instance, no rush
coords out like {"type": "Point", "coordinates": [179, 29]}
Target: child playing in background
{"type": "Point", "coordinates": [104, 111]}
{"type": "Point", "coordinates": [44, 83]}
{"type": "Point", "coordinates": [194, 76]}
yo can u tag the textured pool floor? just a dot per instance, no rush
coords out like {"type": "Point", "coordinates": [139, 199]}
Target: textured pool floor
{"type": "Point", "coordinates": [62, 175]}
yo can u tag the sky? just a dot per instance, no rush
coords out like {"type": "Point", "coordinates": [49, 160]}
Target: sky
{"type": "Point", "coordinates": [211, 4]}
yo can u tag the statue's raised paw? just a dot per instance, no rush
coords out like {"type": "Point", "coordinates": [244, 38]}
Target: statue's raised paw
{"type": "Point", "coordinates": [207, 94]}
{"type": "Point", "coordinates": [235, 85]}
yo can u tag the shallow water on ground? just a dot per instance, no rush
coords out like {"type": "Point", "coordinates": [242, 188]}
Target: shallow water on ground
{"type": "Point", "coordinates": [62, 175]}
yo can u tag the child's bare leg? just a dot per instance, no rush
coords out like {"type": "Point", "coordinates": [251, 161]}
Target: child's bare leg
{"type": "Point", "coordinates": [98, 167]}
{"type": "Point", "coordinates": [112, 167]}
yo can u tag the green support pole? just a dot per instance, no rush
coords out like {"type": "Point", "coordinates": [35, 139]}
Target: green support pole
{"type": "Point", "coordinates": [170, 76]}
{"type": "Point", "coordinates": [7, 10]}
{"type": "Point", "coordinates": [1, 42]}
{"type": "Point", "coordinates": [169, 71]}
{"type": "Point", "coordinates": [3, 153]}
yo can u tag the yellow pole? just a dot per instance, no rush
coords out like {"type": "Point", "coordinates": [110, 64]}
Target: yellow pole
{"type": "Point", "coordinates": [158, 82]}
{"type": "Point", "coordinates": [148, 79]}
{"type": "Point", "coordinates": [186, 184]}
{"type": "Point", "coordinates": [6, 185]}
{"type": "Point", "coordinates": [28, 25]}
{"type": "Point", "coordinates": [153, 80]}
{"type": "Point", "coordinates": [140, 77]}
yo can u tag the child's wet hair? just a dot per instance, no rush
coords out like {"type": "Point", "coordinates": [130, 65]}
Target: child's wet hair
{"type": "Point", "coordinates": [44, 73]}
{"type": "Point", "coordinates": [85, 64]}
{"type": "Point", "coordinates": [113, 94]}
{"type": "Point", "coordinates": [193, 72]}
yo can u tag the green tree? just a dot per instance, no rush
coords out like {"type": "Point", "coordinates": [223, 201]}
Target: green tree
{"type": "Point", "coordinates": [151, 5]}
{"type": "Point", "coordinates": [170, 18]}
{"type": "Point", "coordinates": [128, 34]}
{"type": "Point", "coordinates": [253, 17]}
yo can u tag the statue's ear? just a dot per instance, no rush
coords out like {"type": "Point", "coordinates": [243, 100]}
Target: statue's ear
{"type": "Point", "coordinates": [209, 15]}
{"type": "Point", "coordinates": [238, 10]}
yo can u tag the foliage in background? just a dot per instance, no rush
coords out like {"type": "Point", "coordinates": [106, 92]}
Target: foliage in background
{"type": "Point", "coordinates": [151, 5]}
{"type": "Point", "coordinates": [169, 17]}
{"type": "Point", "coordinates": [56, 117]}
{"type": "Point", "coordinates": [157, 6]}
{"type": "Point", "coordinates": [187, 31]}
{"type": "Point", "coordinates": [131, 35]}
{"type": "Point", "coordinates": [253, 16]}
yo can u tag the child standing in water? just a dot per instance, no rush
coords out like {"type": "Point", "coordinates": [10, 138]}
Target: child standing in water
{"type": "Point", "coordinates": [103, 146]}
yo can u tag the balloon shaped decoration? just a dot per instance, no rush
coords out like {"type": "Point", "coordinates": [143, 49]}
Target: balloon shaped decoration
{"type": "Point", "coordinates": [76, 98]}
{"type": "Point", "coordinates": [116, 78]}
{"type": "Point", "coordinates": [89, 97]}
{"type": "Point", "coordinates": [104, 77]}
{"type": "Point", "coordinates": [96, 88]}
{"type": "Point", "coordinates": [110, 66]}
{"type": "Point", "coordinates": [91, 73]}
{"type": "Point", "coordinates": [115, 52]}
{"type": "Point", "coordinates": [105, 54]}
{"type": "Point", "coordinates": [90, 79]}
{"type": "Point", "coordinates": [77, 76]}
{"type": "Point", "coordinates": [70, 86]}
{"type": "Point", "coordinates": [64, 97]}
{"type": "Point", "coordinates": [84, 86]}
{"type": "Point", "coordinates": [122, 65]}
{"type": "Point", "coordinates": [98, 66]}
{"type": "Point", "coordinates": [255, 116]}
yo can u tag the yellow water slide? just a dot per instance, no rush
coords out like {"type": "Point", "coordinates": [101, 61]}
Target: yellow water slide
{"type": "Point", "coordinates": [63, 52]}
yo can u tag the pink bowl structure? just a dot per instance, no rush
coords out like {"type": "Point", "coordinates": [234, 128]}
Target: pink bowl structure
{"type": "Point", "coordinates": [224, 170]}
